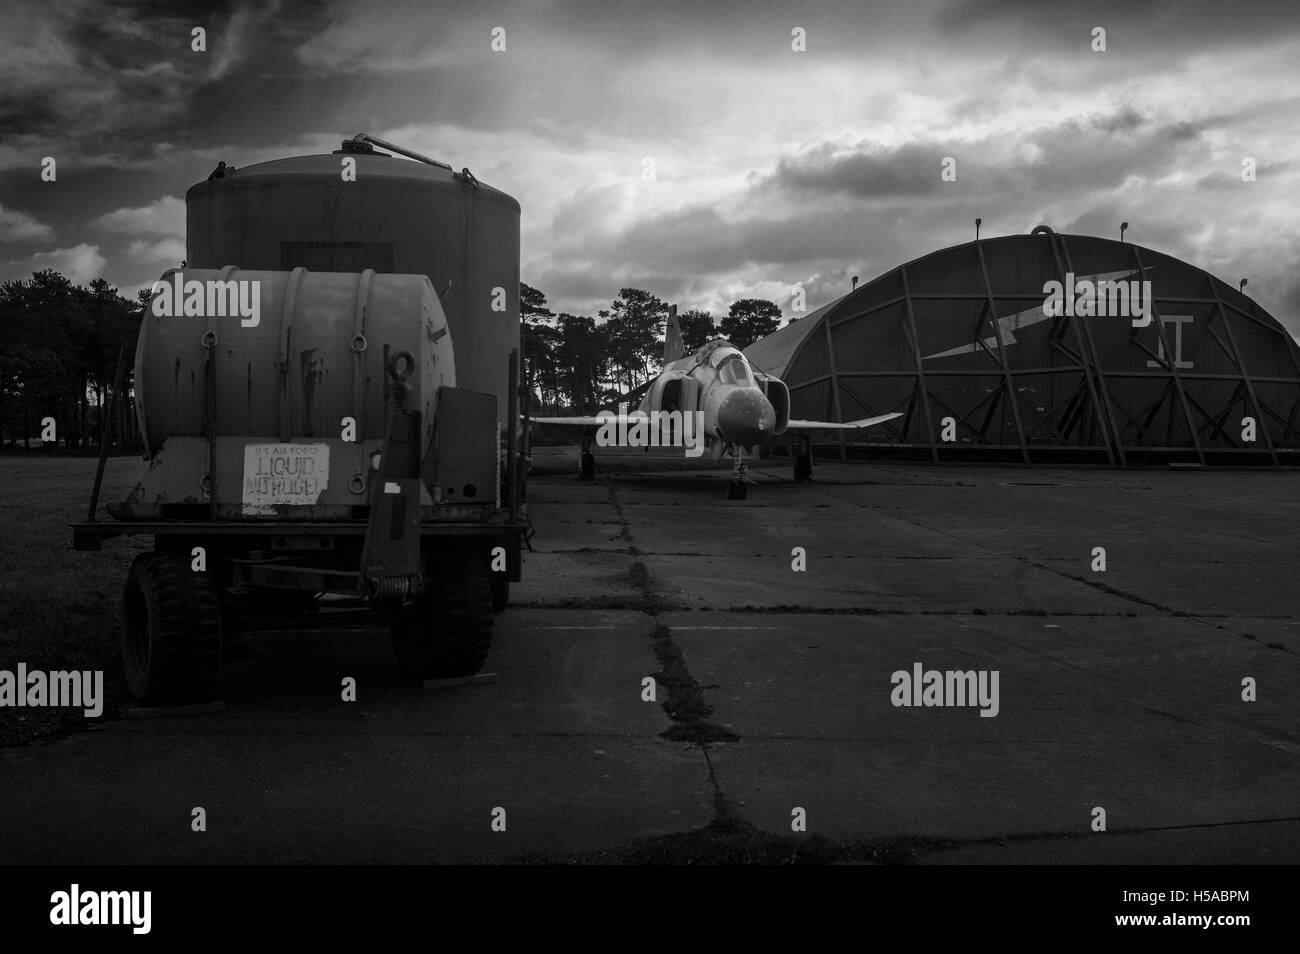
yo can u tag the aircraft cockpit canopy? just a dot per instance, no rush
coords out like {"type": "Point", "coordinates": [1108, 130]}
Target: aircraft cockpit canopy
{"type": "Point", "coordinates": [734, 369]}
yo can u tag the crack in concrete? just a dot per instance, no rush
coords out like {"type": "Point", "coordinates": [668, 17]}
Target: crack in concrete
{"type": "Point", "coordinates": [684, 700]}
{"type": "Point", "coordinates": [928, 846]}
{"type": "Point", "coordinates": [729, 840]}
{"type": "Point", "coordinates": [1206, 619]}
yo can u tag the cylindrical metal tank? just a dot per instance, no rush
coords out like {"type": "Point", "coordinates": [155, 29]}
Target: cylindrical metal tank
{"type": "Point", "coordinates": [357, 209]}
{"type": "Point", "coordinates": [310, 355]}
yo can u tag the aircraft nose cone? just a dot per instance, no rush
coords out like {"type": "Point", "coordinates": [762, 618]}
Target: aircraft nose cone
{"type": "Point", "coordinates": [746, 417]}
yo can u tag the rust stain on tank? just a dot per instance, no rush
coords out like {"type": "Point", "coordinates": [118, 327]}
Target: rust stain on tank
{"type": "Point", "coordinates": [312, 370]}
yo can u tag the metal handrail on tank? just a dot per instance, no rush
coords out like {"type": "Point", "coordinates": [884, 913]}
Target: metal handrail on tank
{"type": "Point", "coordinates": [408, 153]}
{"type": "Point", "coordinates": [464, 173]}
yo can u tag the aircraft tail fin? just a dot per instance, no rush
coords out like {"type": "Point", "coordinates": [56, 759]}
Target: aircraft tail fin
{"type": "Point", "coordinates": [673, 347]}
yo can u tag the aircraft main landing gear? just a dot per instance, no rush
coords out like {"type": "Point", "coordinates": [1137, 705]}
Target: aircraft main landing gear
{"type": "Point", "coordinates": [587, 462]}
{"type": "Point", "coordinates": [803, 462]}
{"type": "Point", "coordinates": [803, 469]}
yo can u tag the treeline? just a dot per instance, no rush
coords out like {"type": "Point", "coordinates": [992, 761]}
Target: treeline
{"type": "Point", "coordinates": [59, 346]}
{"type": "Point", "coordinates": [579, 363]}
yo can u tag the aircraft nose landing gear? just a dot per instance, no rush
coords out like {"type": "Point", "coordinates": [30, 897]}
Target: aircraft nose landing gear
{"type": "Point", "coordinates": [737, 484]}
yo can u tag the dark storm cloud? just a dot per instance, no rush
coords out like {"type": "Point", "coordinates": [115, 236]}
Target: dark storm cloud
{"type": "Point", "coordinates": [120, 78]}
{"type": "Point", "coordinates": [834, 210]}
{"type": "Point", "coordinates": [866, 171]}
{"type": "Point", "coordinates": [1124, 120]}
{"type": "Point", "coordinates": [842, 145]}
{"type": "Point", "coordinates": [686, 256]}
{"type": "Point", "coordinates": [831, 280]}
{"type": "Point", "coordinates": [698, 240]}
{"type": "Point", "coordinates": [1097, 150]}
{"type": "Point", "coordinates": [1105, 220]}
{"type": "Point", "coordinates": [28, 113]}
{"type": "Point", "coordinates": [1133, 26]}
{"type": "Point", "coordinates": [739, 28]}
{"type": "Point", "coordinates": [1101, 151]}
{"type": "Point", "coordinates": [573, 283]}
{"type": "Point", "coordinates": [964, 15]}
{"type": "Point", "coordinates": [1230, 179]}
{"type": "Point", "coordinates": [828, 244]}
{"type": "Point", "coordinates": [1291, 298]}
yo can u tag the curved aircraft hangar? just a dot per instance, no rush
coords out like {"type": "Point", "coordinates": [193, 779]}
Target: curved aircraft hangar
{"type": "Point", "coordinates": [989, 361]}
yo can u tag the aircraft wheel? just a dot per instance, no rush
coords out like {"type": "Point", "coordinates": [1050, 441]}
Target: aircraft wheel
{"type": "Point", "coordinates": [741, 487]}
{"type": "Point", "coordinates": [803, 469]}
{"type": "Point", "coordinates": [588, 471]}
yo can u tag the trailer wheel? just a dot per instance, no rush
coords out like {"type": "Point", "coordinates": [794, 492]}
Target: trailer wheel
{"type": "Point", "coordinates": [171, 631]}
{"type": "Point", "coordinates": [447, 632]}
{"type": "Point", "coordinates": [500, 592]}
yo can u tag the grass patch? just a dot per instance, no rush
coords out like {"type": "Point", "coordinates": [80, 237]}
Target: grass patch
{"type": "Point", "coordinates": [60, 609]}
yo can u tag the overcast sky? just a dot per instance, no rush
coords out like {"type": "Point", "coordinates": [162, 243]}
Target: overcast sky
{"type": "Point", "coordinates": [773, 167]}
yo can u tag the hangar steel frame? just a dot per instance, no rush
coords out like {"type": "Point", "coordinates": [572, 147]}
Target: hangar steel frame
{"type": "Point", "coordinates": [1090, 389]}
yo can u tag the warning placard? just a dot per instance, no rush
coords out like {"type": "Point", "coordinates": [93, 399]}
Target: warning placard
{"type": "Point", "coordinates": [279, 474]}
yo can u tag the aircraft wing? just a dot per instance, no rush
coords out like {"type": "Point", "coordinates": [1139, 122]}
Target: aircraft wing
{"type": "Point", "coordinates": [835, 426]}
{"type": "Point", "coordinates": [571, 421]}
{"type": "Point", "coordinates": [627, 420]}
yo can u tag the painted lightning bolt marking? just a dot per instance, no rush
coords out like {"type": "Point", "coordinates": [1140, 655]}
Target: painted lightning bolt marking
{"type": "Point", "coordinates": [1010, 324]}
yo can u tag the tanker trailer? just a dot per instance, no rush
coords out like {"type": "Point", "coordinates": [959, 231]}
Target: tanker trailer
{"type": "Point", "coordinates": [309, 448]}
{"type": "Point", "coordinates": [360, 208]}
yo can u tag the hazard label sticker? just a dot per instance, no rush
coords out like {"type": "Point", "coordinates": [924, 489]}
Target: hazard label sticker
{"type": "Point", "coordinates": [284, 474]}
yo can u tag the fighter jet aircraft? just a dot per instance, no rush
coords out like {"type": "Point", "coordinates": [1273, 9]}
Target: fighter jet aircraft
{"type": "Point", "coordinates": [712, 400]}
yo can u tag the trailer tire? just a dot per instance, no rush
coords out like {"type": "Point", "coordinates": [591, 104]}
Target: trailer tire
{"type": "Point", "coordinates": [447, 632]}
{"type": "Point", "coordinates": [171, 631]}
{"type": "Point", "coordinates": [500, 592]}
